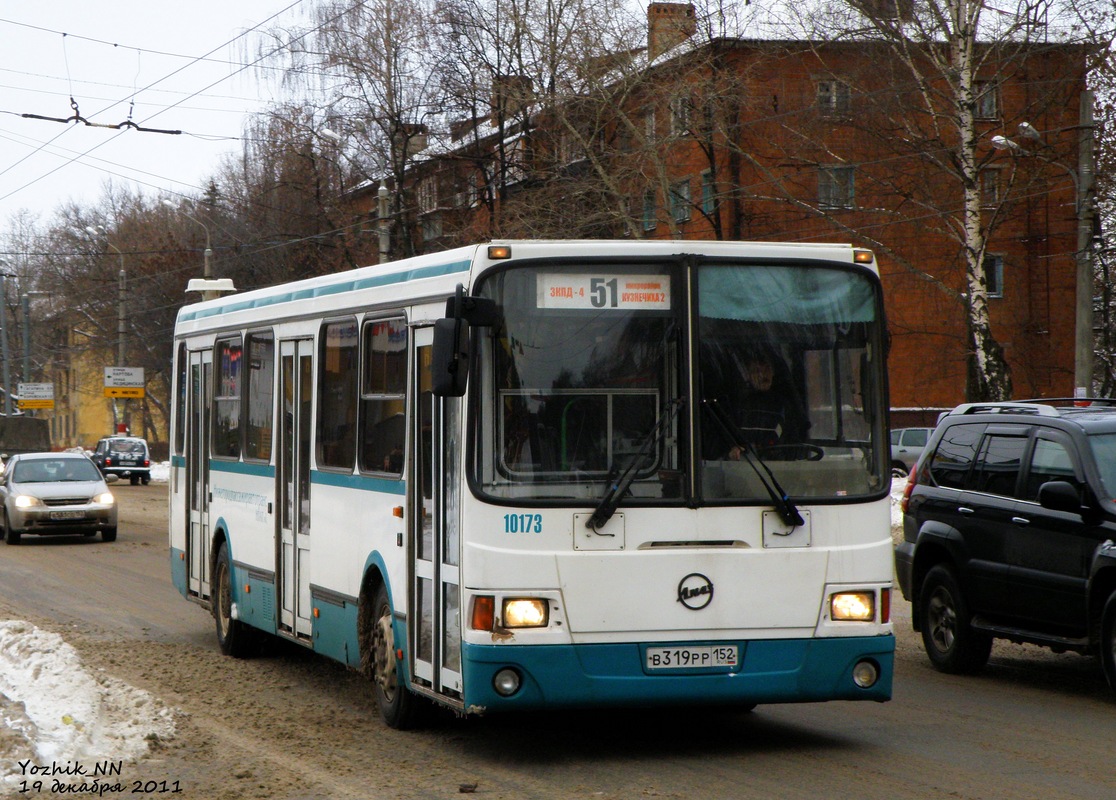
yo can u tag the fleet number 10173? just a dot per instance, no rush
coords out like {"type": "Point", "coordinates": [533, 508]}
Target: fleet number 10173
{"type": "Point", "coordinates": [523, 523]}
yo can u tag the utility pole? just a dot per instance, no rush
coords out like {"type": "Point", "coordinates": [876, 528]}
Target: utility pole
{"type": "Point", "coordinates": [4, 338]}
{"type": "Point", "coordinates": [1083, 341]}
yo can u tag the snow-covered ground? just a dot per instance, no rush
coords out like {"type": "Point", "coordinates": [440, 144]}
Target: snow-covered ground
{"type": "Point", "coordinates": [59, 720]}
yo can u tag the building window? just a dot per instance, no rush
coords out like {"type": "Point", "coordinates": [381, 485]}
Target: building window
{"type": "Point", "coordinates": [989, 187]}
{"type": "Point", "coordinates": [994, 275]}
{"type": "Point", "coordinates": [708, 193]}
{"type": "Point", "coordinates": [833, 98]}
{"type": "Point", "coordinates": [987, 95]}
{"type": "Point", "coordinates": [680, 201]}
{"type": "Point", "coordinates": [431, 227]}
{"type": "Point", "coordinates": [649, 125]}
{"type": "Point", "coordinates": [427, 195]}
{"type": "Point", "coordinates": [835, 187]}
{"type": "Point", "coordinates": [681, 110]}
{"type": "Point", "coordinates": [649, 220]}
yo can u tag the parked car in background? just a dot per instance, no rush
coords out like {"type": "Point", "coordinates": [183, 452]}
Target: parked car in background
{"type": "Point", "coordinates": [906, 446]}
{"type": "Point", "coordinates": [124, 456]}
{"type": "Point", "coordinates": [56, 493]}
{"type": "Point", "coordinates": [1009, 527]}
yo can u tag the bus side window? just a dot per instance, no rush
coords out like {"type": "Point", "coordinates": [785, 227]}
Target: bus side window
{"type": "Point", "coordinates": [383, 395]}
{"type": "Point", "coordinates": [226, 402]}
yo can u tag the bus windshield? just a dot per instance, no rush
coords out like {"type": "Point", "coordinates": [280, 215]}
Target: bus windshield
{"type": "Point", "coordinates": [698, 382]}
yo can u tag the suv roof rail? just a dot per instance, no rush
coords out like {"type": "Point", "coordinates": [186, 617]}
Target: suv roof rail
{"type": "Point", "coordinates": [1076, 402]}
{"type": "Point", "coordinates": [1034, 408]}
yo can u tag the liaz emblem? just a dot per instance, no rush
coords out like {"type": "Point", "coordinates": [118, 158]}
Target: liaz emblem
{"type": "Point", "coordinates": [695, 591]}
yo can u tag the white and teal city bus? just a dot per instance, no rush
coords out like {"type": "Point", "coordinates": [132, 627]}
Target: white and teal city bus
{"type": "Point", "coordinates": [549, 474]}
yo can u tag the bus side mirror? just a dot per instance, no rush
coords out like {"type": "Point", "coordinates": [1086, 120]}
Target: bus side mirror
{"type": "Point", "coordinates": [450, 358]}
{"type": "Point", "coordinates": [451, 341]}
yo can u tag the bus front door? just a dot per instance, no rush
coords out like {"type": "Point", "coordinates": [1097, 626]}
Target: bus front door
{"type": "Point", "coordinates": [197, 473]}
{"type": "Point", "coordinates": [435, 618]}
{"type": "Point", "coordinates": [296, 370]}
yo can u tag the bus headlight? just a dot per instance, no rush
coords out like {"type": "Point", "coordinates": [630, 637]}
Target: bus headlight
{"type": "Point", "coordinates": [526, 612]}
{"type": "Point", "coordinates": [852, 606]}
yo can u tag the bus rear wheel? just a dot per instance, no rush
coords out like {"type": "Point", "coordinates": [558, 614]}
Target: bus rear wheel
{"type": "Point", "coordinates": [233, 636]}
{"type": "Point", "coordinates": [397, 704]}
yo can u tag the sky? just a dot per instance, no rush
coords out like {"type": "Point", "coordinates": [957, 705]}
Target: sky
{"type": "Point", "coordinates": [153, 63]}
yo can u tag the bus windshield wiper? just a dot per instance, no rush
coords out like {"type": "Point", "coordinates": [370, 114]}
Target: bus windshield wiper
{"type": "Point", "coordinates": [784, 506]}
{"type": "Point", "coordinates": [619, 487]}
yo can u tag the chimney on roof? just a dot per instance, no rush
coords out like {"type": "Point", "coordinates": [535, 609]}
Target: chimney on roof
{"type": "Point", "coordinates": [510, 95]}
{"type": "Point", "coordinates": [668, 25]}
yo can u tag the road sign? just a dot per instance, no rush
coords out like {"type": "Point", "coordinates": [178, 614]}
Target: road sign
{"type": "Point", "coordinates": [36, 395]}
{"type": "Point", "coordinates": [124, 391]}
{"type": "Point", "coordinates": [124, 377]}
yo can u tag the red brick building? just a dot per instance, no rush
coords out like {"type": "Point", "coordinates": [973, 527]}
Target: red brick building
{"type": "Point", "coordinates": [803, 141]}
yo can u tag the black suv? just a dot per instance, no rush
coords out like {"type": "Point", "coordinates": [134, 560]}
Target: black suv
{"type": "Point", "coordinates": [1009, 525]}
{"type": "Point", "coordinates": [125, 456]}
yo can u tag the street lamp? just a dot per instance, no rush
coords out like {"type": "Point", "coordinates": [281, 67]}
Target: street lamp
{"type": "Point", "coordinates": [207, 273]}
{"type": "Point", "coordinates": [25, 305]}
{"type": "Point", "coordinates": [121, 314]}
{"type": "Point", "coordinates": [4, 336]}
{"type": "Point", "coordinates": [1083, 179]}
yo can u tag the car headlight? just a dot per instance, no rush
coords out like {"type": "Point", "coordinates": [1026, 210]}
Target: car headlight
{"type": "Point", "coordinates": [105, 499]}
{"type": "Point", "coordinates": [27, 501]}
{"type": "Point", "coordinates": [852, 606]}
{"type": "Point", "coordinates": [526, 612]}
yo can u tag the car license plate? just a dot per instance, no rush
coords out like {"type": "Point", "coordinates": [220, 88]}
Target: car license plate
{"type": "Point", "coordinates": [697, 657]}
{"type": "Point", "coordinates": [67, 515]}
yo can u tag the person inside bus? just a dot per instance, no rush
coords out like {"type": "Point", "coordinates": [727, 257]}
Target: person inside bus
{"type": "Point", "coordinates": [752, 392]}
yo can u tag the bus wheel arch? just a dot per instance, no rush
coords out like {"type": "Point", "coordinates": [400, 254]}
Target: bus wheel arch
{"type": "Point", "coordinates": [233, 636]}
{"type": "Point", "coordinates": [379, 660]}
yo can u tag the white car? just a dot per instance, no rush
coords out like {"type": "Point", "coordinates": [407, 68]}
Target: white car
{"type": "Point", "coordinates": [906, 446]}
{"type": "Point", "coordinates": [56, 493]}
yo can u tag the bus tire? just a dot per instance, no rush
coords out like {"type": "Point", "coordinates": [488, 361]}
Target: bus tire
{"type": "Point", "coordinates": [396, 702]}
{"type": "Point", "coordinates": [951, 643]}
{"type": "Point", "coordinates": [233, 636]}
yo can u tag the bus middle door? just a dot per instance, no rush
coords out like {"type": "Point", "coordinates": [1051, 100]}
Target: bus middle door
{"type": "Point", "coordinates": [197, 473]}
{"type": "Point", "coordinates": [296, 375]}
{"type": "Point", "coordinates": [435, 618]}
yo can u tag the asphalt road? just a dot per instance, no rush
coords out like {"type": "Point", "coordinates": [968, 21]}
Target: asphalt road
{"type": "Point", "coordinates": [291, 725]}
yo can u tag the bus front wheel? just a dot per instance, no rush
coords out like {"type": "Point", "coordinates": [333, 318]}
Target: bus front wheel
{"type": "Point", "coordinates": [397, 704]}
{"type": "Point", "coordinates": [233, 636]}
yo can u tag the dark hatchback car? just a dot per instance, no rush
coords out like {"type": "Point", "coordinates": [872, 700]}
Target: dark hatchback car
{"type": "Point", "coordinates": [124, 456]}
{"type": "Point", "coordinates": [1009, 526]}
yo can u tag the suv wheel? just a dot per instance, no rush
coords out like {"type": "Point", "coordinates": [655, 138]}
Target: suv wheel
{"type": "Point", "coordinates": [950, 641]}
{"type": "Point", "coordinates": [1108, 641]}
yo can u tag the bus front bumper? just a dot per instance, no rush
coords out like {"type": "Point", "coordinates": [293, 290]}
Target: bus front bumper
{"type": "Point", "coordinates": [768, 671]}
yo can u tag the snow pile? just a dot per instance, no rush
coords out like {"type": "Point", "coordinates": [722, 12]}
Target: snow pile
{"type": "Point", "coordinates": [57, 716]}
{"type": "Point", "coordinates": [898, 486]}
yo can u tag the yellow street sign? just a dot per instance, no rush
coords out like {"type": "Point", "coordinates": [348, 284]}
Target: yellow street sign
{"type": "Point", "coordinates": [49, 404]}
{"type": "Point", "coordinates": [124, 391]}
